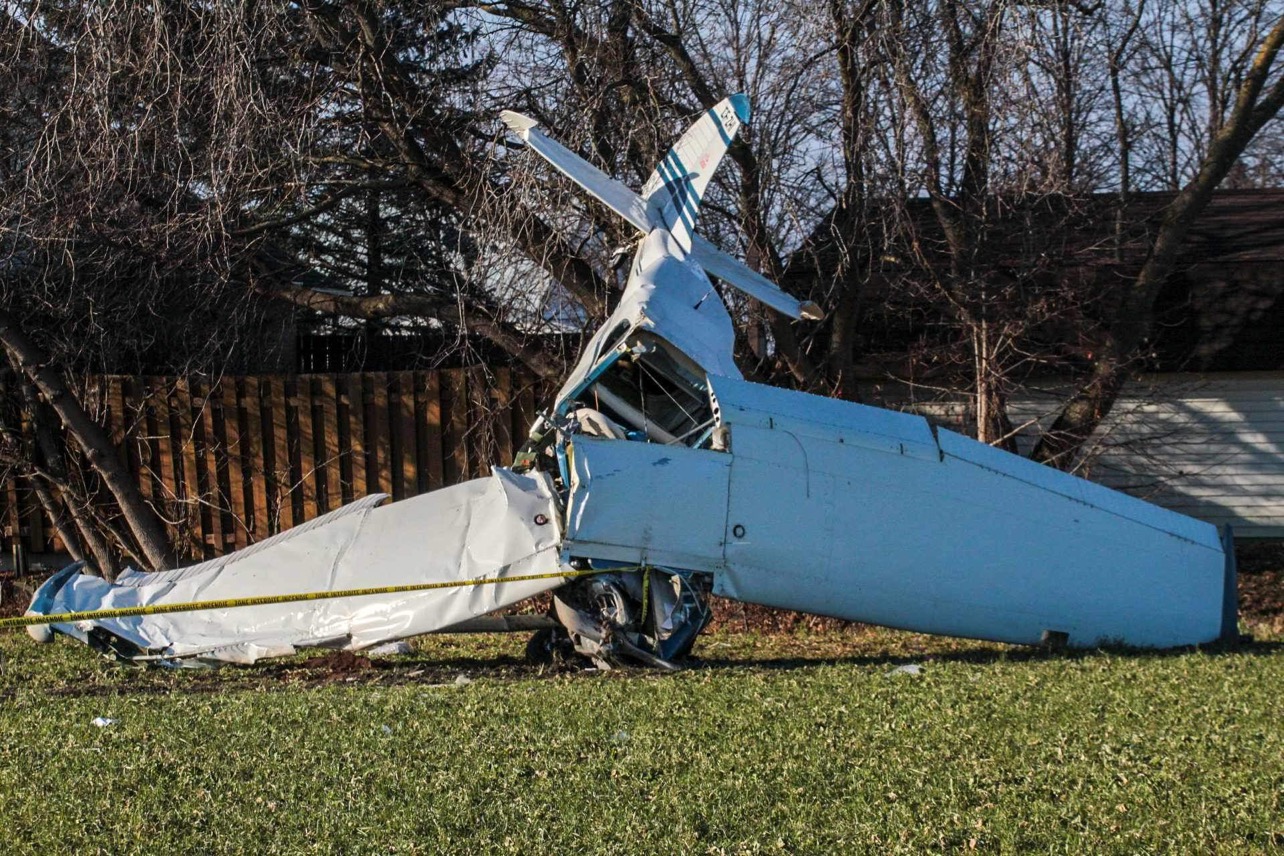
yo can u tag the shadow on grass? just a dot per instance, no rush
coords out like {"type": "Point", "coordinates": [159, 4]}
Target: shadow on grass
{"type": "Point", "coordinates": [334, 669]}
{"type": "Point", "coordinates": [982, 656]}
{"type": "Point", "coordinates": [429, 669]}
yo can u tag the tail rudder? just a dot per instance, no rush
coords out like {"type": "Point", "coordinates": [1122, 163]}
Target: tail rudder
{"type": "Point", "coordinates": [671, 197]}
{"type": "Point", "coordinates": [675, 189]}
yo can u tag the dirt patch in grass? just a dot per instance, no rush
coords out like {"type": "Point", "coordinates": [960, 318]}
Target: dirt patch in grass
{"type": "Point", "coordinates": [339, 664]}
{"type": "Point", "coordinates": [1261, 585]}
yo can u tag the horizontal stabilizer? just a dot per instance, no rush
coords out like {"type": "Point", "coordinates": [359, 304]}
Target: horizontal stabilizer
{"type": "Point", "coordinates": [738, 275]}
{"type": "Point", "coordinates": [634, 208]}
{"type": "Point", "coordinates": [612, 193]}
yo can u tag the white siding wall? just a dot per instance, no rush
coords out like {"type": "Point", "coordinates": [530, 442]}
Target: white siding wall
{"type": "Point", "coordinates": [1211, 446]}
{"type": "Point", "coordinates": [1208, 446]}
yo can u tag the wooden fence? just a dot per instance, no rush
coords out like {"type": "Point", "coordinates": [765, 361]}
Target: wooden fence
{"type": "Point", "coordinates": [231, 461]}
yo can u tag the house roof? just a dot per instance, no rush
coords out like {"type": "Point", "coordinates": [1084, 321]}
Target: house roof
{"type": "Point", "coordinates": [1237, 225]}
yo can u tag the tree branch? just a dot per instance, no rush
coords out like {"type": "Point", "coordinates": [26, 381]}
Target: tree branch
{"type": "Point", "coordinates": [474, 318]}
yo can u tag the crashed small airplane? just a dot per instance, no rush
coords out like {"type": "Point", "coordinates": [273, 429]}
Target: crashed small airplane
{"type": "Point", "coordinates": [659, 475]}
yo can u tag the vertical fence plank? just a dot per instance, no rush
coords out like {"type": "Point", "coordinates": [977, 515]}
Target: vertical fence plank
{"type": "Point", "coordinates": [428, 417]}
{"type": "Point", "coordinates": [257, 516]}
{"type": "Point", "coordinates": [294, 481]}
{"type": "Point", "coordinates": [330, 429]}
{"type": "Point", "coordinates": [480, 428]}
{"type": "Point", "coordinates": [371, 432]}
{"type": "Point", "coordinates": [113, 393]}
{"type": "Point", "coordinates": [207, 465]}
{"type": "Point", "coordinates": [380, 447]}
{"type": "Point", "coordinates": [185, 458]}
{"type": "Point", "coordinates": [405, 382]}
{"type": "Point", "coordinates": [395, 444]}
{"type": "Point", "coordinates": [343, 433]}
{"type": "Point", "coordinates": [461, 420]}
{"type": "Point", "coordinates": [356, 434]}
{"type": "Point", "coordinates": [235, 467]}
{"type": "Point", "coordinates": [158, 393]}
{"type": "Point", "coordinates": [144, 440]}
{"type": "Point", "coordinates": [455, 416]}
{"type": "Point", "coordinates": [282, 479]}
{"type": "Point", "coordinates": [307, 447]}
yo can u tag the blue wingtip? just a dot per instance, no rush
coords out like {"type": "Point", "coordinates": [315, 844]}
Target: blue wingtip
{"type": "Point", "coordinates": [740, 103]}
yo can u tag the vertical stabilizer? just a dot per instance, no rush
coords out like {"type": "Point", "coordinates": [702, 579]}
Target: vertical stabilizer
{"type": "Point", "coordinates": [674, 190]}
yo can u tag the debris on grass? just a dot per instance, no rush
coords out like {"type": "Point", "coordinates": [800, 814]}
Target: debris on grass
{"type": "Point", "coordinates": [390, 649]}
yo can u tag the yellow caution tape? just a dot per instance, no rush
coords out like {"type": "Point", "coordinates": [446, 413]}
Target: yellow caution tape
{"type": "Point", "coordinates": [262, 600]}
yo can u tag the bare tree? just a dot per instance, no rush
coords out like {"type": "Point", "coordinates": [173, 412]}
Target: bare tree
{"type": "Point", "coordinates": [1258, 100]}
{"type": "Point", "coordinates": [175, 179]}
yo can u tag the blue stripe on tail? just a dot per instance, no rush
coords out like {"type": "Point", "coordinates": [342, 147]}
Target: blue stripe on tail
{"type": "Point", "coordinates": [674, 173]}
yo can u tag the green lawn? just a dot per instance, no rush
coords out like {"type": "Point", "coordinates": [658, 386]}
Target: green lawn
{"type": "Point", "coordinates": [792, 743]}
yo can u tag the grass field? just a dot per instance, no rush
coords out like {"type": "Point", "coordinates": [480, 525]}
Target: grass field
{"type": "Point", "coordinates": [791, 743]}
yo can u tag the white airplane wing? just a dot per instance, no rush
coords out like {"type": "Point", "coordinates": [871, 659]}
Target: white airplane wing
{"type": "Point", "coordinates": [612, 193]}
{"type": "Point", "coordinates": [503, 526]}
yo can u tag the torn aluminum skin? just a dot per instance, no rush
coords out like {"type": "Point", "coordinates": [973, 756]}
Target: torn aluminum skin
{"type": "Point", "coordinates": [662, 469]}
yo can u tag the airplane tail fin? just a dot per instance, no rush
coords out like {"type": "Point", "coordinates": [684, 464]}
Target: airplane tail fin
{"type": "Point", "coordinates": [675, 188]}
{"type": "Point", "coordinates": [671, 196]}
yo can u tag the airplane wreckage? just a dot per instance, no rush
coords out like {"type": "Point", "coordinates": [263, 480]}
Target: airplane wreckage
{"type": "Point", "coordinates": [660, 476]}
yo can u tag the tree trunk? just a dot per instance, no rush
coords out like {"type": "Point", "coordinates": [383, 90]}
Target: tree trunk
{"type": "Point", "coordinates": [49, 457]}
{"type": "Point", "coordinates": [143, 523]}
